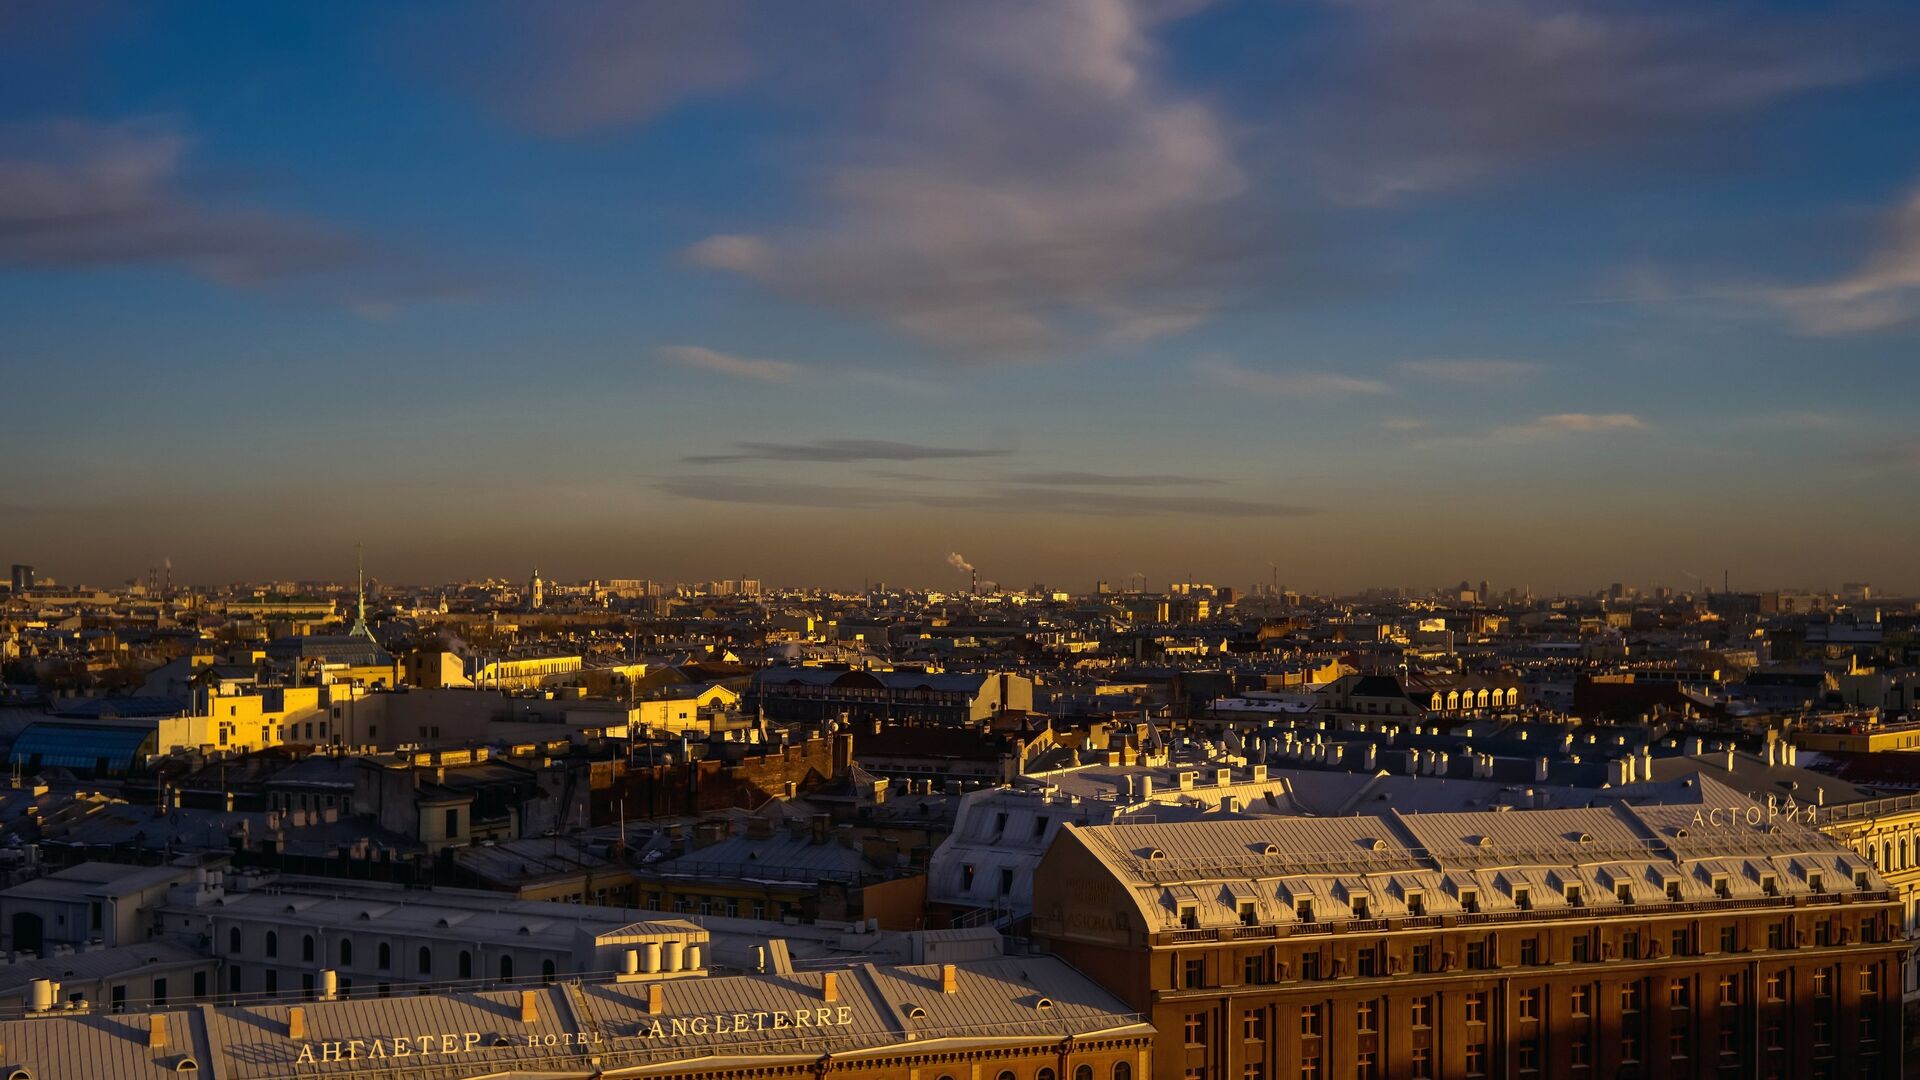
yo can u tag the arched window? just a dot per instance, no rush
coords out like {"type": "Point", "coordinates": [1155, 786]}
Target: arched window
{"type": "Point", "coordinates": [1122, 1071]}
{"type": "Point", "coordinates": [546, 970]}
{"type": "Point", "coordinates": [1084, 1072]}
{"type": "Point", "coordinates": [386, 956]}
{"type": "Point", "coordinates": [1044, 1074]}
{"type": "Point", "coordinates": [466, 964]}
{"type": "Point", "coordinates": [306, 948]}
{"type": "Point", "coordinates": [506, 967]}
{"type": "Point", "coordinates": [426, 960]}
{"type": "Point", "coordinates": [1005, 1074]}
{"type": "Point", "coordinates": [346, 952]}
{"type": "Point", "coordinates": [233, 940]}
{"type": "Point", "coordinates": [273, 943]}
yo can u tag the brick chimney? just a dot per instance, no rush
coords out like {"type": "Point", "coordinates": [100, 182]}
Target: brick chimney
{"type": "Point", "coordinates": [297, 1024]}
{"type": "Point", "coordinates": [529, 1009]}
{"type": "Point", "coordinates": [656, 1000]}
{"type": "Point", "coordinates": [949, 979]}
{"type": "Point", "coordinates": [157, 1031]}
{"type": "Point", "coordinates": [830, 987]}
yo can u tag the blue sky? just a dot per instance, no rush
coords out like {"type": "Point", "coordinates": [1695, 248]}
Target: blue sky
{"type": "Point", "coordinates": [1539, 292]}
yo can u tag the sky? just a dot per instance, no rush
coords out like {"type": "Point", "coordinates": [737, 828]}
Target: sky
{"type": "Point", "coordinates": [1338, 293]}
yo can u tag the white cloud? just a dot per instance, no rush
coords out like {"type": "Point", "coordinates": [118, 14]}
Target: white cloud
{"type": "Point", "coordinates": [1468, 371]}
{"type": "Point", "coordinates": [1029, 183]}
{"type": "Point", "coordinates": [700, 358]}
{"type": "Point", "coordinates": [1557, 424]}
{"type": "Point", "coordinates": [1883, 292]}
{"type": "Point", "coordinates": [1226, 373]}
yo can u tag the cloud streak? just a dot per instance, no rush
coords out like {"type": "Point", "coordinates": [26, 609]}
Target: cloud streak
{"type": "Point", "coordinates": [1883, 292]}
{"type": "Point", "coordinates": [701, 358]}
{"type": "Point", "coordinates": [1467, 371]}
{"type": "Point", "coordinates": [843, 450]}
{"type": "Point", "coordinates": [1230, 375]}
{"type": "Point", "coordinates": [1561, 424]}
{"type": "Point", "coordinates": [1022, 500]}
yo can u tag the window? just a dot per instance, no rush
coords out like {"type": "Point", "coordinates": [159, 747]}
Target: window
{"type": "Point", "coordinates": [1721, 888]}
{"type": "Point", "coordinates": [1006, 881]}
{"type": "Point", "coordinates": [1477, 1008]}
{"type": "Point", "coordinates": [1579, 1053]}
{"type": "Point", "coordinates": [159, 993]}
{"type": "Point", "coordinates": [306, 948]}
{"type": "Point", "coordinates": [1623, 892]}
{"type": "Point", "coordinates": [1729, 939]}
{"type": "Point", "coordinates": [1254, 969]}
{"type": "Point", "coordinates": [1530, 951]}
{"type": "Point", "coordinates": [1366, 1065]}
{"type": "Point", "coordinates": [1194, 972]}
{"type": "Point", "coordinates": [1583, 948]}
{"type": "Point", "coordinates": [1575, 898]}
{"type": "Point", "coordinates": [426, 960]}
{"type": "Point", "coordinates": [1189, 917]}
{"type": "Point", "coordinates": [1253, 1025]}
{"type": "Point", "coordinates": [1476, 1059]}
{"type": "Point", "coordinates": [1776, 935]}
{"type": "Point", "coordinates": [1729, 990]}
{"type": "Point", "coordinates": [1682, 943]}
{"type": "Point", "coordinates": [1630, 998]}
{"type": "Point", "coordinates": [1869, 980]}
{"type": "Point", "coordinates": [233, 940]}
{"type": "Point", "coordinates": [1367, 962]}
{"type": "Point", "coordinates": [1422, 959]}
{"type": "Point", "coordinates": [1084, 1072]}
{"type": "Point", "coordinates": [1580, 1001]}
{"type": "Point", "coordinates": [1775, 1036]}
{"type": "Point", "coordinates": [1680, 1043]}
{"type": "Point", "coordinates": [346, 952]}
{"type": "Point", "coordinates": [1122, 1071]}
{"type": "Point", "coordinates": [1196, 1031]}
{"type": "Point", "coordinates": [1360, 907]}
{"type": "Point", "coordinates": [1815, 883]}
{"type": "Point", "coordinates": [1422, 1062]}
{"type": "Point", "coordinates": [1523, 898]}
{"type": "Point", "coordinates": [1303, 910]}
{"type": "Point", "coordinates": [506, 967]}
{"type": "Point", "coordinates": [1630, 1048]}
{"type": "Point", "coordinates": [1310, 1025]}
{"type": "Point", "coordinates": [1869, 1027]}
{"type": "Point", "coordinates": [1673, 890]}
{"type": "Point", "coordinates": [1529, 1004]}
{"type": "Point", "coordinates": [1777, 986]}
{"type": "Point", "coordinates": [273, 943]}
{"type": "Point", "coordinates": [1249, 916]}
{"type": "Point", "coordinates": [1421, 1015]}
{"type": "Point", "coordinates": [1040, 826]}
{"type": "Point", "coordinates": [1822, 983]}
{"type": "Point", "coordinates": [1310, 1060]}
{"type": "Point", "coordinates": [1630, 945]}
{"type": "Point", "coordinates": [1366, 1016]}
{"type": "Point", "coordinates": [1679, 994]}
{"type": "Point", "coordinates": [1310, 965]}
{"type": "Point", "coordinates": [1770, 885]}
{"type": "Point", "coordinates": [385, 956]}
{"type": "Point", "coordinates": [1526, 1057]}
{"type": "Point", "coordinates": [1470, 900]}
{"type": "Point", "coordinates": [466, 964]}
{"type": "Point", "coordinates": [1416, 903]}
{"type": "Point", "coordinates": [1476, 955]}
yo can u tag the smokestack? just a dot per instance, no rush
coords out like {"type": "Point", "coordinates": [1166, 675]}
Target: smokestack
{"type": "Point", "coordinates": [976, 582]}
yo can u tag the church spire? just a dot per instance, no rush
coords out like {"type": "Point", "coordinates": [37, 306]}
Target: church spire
{"type": "Point", "coordinates": [360, 628]}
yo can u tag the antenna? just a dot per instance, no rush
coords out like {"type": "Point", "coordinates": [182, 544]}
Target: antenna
{"type": "Point", "coordinates": [360, 612]}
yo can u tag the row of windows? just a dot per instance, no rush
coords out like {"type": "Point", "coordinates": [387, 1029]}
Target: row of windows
{"type": "Point", "coordinates": [383, 957]}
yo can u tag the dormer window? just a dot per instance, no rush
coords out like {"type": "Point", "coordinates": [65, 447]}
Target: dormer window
{"type": "Point", "coordinates": [1860, 880]}
{"type": "Point", "coordinates": [1673, 890]}
{"type": "Point", "coordinates": [1721, 887]}
{"type": "Point", "coordinates": [1770, 885]}
{"type": "Point", "coordinates": [1247, 914]}
{"type": "Point", "coordinates": [1623, 892]}
{"type": "Point", "coordinates": [1416, 903]}
{"type": "Point", "coordinates": [1816, 883]}
{"type": "Point", "coordinates": [1189, 917]}
{"type": "Point", "coordinates": [1523, 898]}
{"type": "Point", "coordinates": [1470, 900]}
{"type": "Point", "coordinates": [1360, 907]}
{"type": "Point", "coordinates": [1303, 910]}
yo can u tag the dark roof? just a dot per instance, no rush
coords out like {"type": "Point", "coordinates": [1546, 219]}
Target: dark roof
{"type": "Point", "coordinates": [84, 747]}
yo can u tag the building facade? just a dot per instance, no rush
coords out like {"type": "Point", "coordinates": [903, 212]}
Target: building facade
{"type": "Point", "coordinates": [1673, 941]}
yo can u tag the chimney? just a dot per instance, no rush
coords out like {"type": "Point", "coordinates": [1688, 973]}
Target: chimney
{"type": "Point", "coordinates": [297, 1024]}
{"type": "Point", "coordinates": [529, 1008]}
{"type": "Point", "coordinates": [830, 987]}
{"type": "Point", "coordinates": [157, 1031]}
{"type": "Point", "coordinates": [329, 984]}
{"type": "Point", "coordinates": [656, 1000]}
{"type": "Point", "coordinates": [949, 979]}
{"type": "Point", "coordinates": [1539, 769]}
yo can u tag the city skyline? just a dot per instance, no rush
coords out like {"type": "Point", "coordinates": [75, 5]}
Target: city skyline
{"type": "Point", "coordinates": [1578, 295]}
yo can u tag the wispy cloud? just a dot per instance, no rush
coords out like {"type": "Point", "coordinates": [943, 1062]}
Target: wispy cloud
{"type": "Point", "coordinates": [843, 450]}
{"type": "Point", "coordinates": [1558, 424]}
{"type": "Point", "coordinates": [78, 195]}
{"type": "Point", "coordinates": [1226, 373]}
{"type": "Point", "coordinates": [1444, 93]}
{"type": "Point", "coordinates": [1025, 500]}
{"type": "Point", "coordinates": [1071, 478]}
{"type": "Point", "coordinates": [1884, 291]}
{"type": "Point", "coordinates": [701, 358]}
{"type": "Point", "coordinates": [1468, 370]}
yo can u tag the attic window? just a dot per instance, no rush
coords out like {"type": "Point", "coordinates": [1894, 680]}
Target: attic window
{"type": "Point", "coordinates": [1360, 909]}
{"type": "Point", "coordinates": [1574, 898]}
{"type": "Point", "coordinates": [366, 916]}
{"type": "Point", "coordinates": [1522, 897]}
{"type": "Point", "coordinates": [502, 1040]}
{"type": "Point", "coordinates": [1680, 834]}
{"type": "Point", "coordinates": [1816, 883]}
{"type": "Point", "coordinates": [19, 1074]}
{"type": "Point", "coordinates": [1248, 917]}
{"type": "Point", "coordinates": [442, 924]}
{"type": "Point", "coordinates": [187, 1065]}
{"type": "Point", "coordinates": [1416, 903]}
{"type": "Point", "coordinates": [1586, 839]}
{"type": "Point", "coordinates": [1860, 880]}
{"type": "Point", "coordinates": [1470, 900]}
{"type": "Point", "coordinates": [1189, 917]}
{"type": "Point", "coordinates": [1043, 1004]}
{"type": "Point", "coordinates": [1623, 892]}
{"type": "Point", "coordinates": [1673, 890]}
{"type": "Point", "coordinates": [1379, 845]}
{"type": "Point", "coordinates": [1770, 885]}
{"type": "Point", "coordinates": [1155, 854]}
{"type": "Point", "coordinates": [526, 931]}
{"type": "Point", "coordinates": [1485, 843]}
{"type": "Point", "coordinates": [1269, 849]}
{"type": "Point", "coordinates": [915, 1012]}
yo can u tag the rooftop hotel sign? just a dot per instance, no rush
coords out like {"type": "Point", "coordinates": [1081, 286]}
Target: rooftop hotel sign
{"type": "Point", "coordinates": [417, 1048]}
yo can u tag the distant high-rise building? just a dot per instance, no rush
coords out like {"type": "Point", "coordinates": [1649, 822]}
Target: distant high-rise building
{"type": "Point", "coordinates": [22, 577]}
{"type": "Point", "coordinates": [536, 590]}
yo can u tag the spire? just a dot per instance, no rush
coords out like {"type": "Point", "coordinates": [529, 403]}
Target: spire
{"type": "Point", "coordinates": [360, 628]}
